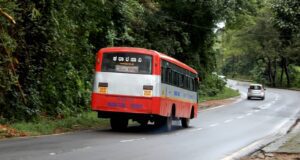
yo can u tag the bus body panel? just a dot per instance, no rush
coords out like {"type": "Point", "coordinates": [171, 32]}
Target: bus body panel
{"type": "Point", "coordinates": [141, 105]}
{"type": "Point", "coordinates": [182, 99]}
{"type": "Point", "coordinates": [124, 92]}
{"type": "Point", "coordinates": [125, 104]}
{"type": "Point", "coordinates": [127, 84]}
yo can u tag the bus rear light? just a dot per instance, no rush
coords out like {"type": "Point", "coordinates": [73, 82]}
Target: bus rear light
{"type": "Point", "coordinates": [102, 88]}
{"type": "Point", "coordinates": [148, 90]}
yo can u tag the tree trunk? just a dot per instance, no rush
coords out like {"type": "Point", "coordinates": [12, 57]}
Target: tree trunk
{"type": "Point", "coordinates": [275, 72]}
{"type": "Point", "coordinates": [286, 70]}
{"type": "Point", "coordinates": [281, 74]}
{"type": "Point", "coordinates": [271, 81]}
{"type": "Point", "coordinates": [271, 73]}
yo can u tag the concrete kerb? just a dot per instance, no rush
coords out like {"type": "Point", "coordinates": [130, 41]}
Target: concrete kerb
{"type": "Point", "coordinates": [234, 100]}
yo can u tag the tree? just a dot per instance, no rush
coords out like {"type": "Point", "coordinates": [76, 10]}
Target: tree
{"type": "Point", "coordinates": [287, 21]}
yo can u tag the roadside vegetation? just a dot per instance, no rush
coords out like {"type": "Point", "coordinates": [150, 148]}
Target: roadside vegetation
{"type": "Point", "coordinates": [44, 126]}
{"type": "Point", "coordinates": [224, 94]}
{"type": "Point", "coordinates": [48, 47]}
{"type": "Point", "coordinates": [264, 47]}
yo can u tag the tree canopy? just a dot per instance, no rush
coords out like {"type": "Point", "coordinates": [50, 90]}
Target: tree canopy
{"type": "Point", "coordinates": [266, 47]}
{"type": "Point", "coordinates": [48, 47]}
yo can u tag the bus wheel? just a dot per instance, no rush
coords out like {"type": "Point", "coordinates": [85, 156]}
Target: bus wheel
{"type": "Point", "coordinates": [118, 124]}
{"type": "Point", "coordinates": [164, 123]}
{"type": "Point", "coordinates": [168, 123]}
{"type": "Point", "coordinates": [185, 122]}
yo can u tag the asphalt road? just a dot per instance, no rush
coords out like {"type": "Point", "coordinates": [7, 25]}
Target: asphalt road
{"type": "Point", "coordinates": [215, 134]}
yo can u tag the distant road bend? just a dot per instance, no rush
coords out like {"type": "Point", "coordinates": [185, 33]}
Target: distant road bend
{"type": "Point", "coordinates": [215, 134]}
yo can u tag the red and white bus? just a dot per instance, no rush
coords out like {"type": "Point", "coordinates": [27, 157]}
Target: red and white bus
{"type": "Point", "coordinates": [143, 85]}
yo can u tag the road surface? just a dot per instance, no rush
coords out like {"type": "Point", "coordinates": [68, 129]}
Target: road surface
{"type": "Point", "coordinates": [215, 134]}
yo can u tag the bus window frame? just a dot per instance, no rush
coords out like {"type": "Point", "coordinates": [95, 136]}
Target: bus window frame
{"type": "Point", "coordinates": [152, 67]}
{"type": "Point", "coordinates": [174, 75]}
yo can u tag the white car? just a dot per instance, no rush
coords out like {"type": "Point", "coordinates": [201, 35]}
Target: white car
{"type": "Point", "coordinates": [256, 91]}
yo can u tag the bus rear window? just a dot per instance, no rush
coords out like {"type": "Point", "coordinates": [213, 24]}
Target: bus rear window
{"type": "Point", "coordinates": [127, 63]}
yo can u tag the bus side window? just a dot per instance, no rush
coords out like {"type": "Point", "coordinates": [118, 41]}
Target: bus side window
{"type": "Point", "coordinates": [169, 75]}
{"type": "Point", "coordinates": [176, 79]}
{"type": "Point", "coordinates": [185, 82]}
{"type": "Point", "coordinates": [163, 75]}
{"type": "Point", "coordinates": [173, 78]}
{"type": "Point", "coordinates": [192, 84]}
{"type": "Point", "coordinates": [181, 79]}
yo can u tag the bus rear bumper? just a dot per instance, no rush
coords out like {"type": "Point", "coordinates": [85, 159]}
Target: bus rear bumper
{"type": "Point", "coordinates": [110, 105]}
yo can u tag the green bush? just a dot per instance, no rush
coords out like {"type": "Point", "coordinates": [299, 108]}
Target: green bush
{"type": "Point", "coordinates": [211, 85]}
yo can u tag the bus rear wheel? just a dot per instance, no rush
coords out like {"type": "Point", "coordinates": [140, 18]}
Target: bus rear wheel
{"type": "Point", "coordinates": [118, 124]}
{"type": "Point", "coordinates": [164, 123]}
{"type": "Point", "coordinates": [185, 122]}
{"type": "Point", "coordinates": [168, 124]}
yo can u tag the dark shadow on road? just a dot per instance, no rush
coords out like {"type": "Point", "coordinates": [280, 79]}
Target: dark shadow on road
{"type": "Point", "coordinates": [149, 129]}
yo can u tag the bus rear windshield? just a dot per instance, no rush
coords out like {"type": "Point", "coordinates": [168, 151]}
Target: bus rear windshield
{"type": "Point", "coordinates": [127, 63]}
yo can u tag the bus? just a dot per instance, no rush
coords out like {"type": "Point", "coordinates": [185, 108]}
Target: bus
{"type": "Point", "coordinates": [143, 85]}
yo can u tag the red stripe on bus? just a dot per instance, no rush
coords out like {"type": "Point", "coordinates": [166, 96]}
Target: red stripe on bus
{"type": "Point", "coordinates": [142, 105]}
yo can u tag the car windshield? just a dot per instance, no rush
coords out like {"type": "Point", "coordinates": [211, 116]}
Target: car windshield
{"type": "Point", "coordinates": [127, 63]}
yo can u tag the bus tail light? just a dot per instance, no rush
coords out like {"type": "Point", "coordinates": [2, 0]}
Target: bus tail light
{"type": "Point", "coordinates": [102, 88]}
{"type": "Point", "coordinates": [148, 90]}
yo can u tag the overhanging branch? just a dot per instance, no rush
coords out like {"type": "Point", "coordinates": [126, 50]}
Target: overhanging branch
{"type": "Point", "coordinates": [7, 16]}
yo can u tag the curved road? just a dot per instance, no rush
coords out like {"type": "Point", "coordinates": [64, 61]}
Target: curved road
{"type": "Point", "coordinates": [215, 134]}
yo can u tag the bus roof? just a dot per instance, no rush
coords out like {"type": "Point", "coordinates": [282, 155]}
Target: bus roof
{"type": "Point", "coordinates": [150, 52]}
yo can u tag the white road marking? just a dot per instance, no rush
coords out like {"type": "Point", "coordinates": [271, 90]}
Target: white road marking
{"type": "Point", "coordinates": [131, 140]}
{"type": "Point", "coordinates": [214, 108]}
{"type": "Point", "coordinates": [228, 121]}
{"type": "Point", "coordinates": [83, 148]}
{"type": "Point", "coordinates": [239, 117]}
{"type": "Point", "coordinates": [197, 129]}
{"type": "Point", "coordinates": [256, 110]}
{"type": "Point", "coordinates": [52, 154]}
{"type": "Point", "coordinates": [214, 125]}
{"type": "Point", "coordinates": [249, 114]}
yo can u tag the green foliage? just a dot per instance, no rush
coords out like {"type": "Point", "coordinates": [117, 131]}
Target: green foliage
{"type": "Point", "coordinates": [47, 57]}
{"type": "Point", "coordinates": [211, 86]}
{"type": "Point", "coordinates": [50, 126]}
{"type": "Point", "coordinates": [224, 94]}
{"type": "Point", "coordinates": [264, 46]}
{"type": "Point", "coordinates": [296, 82]}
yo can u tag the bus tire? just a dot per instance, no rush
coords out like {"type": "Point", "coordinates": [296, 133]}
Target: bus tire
{"type": "Point", "coordinates": [168, 124]}
{"type": "Point", "coordinates": [118, 124]}
{"type": "Point", "coordinates": [185, 122]}
{"type": "Point", "coordinates": [164, 123]}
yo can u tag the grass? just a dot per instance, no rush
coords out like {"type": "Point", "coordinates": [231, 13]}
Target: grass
{"type": "Point", "coordinates": [46, 126]}
{"type": "Point", "coordinates": [225, 94]}
{"type": "Point", "coordinates": [296, 82]}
